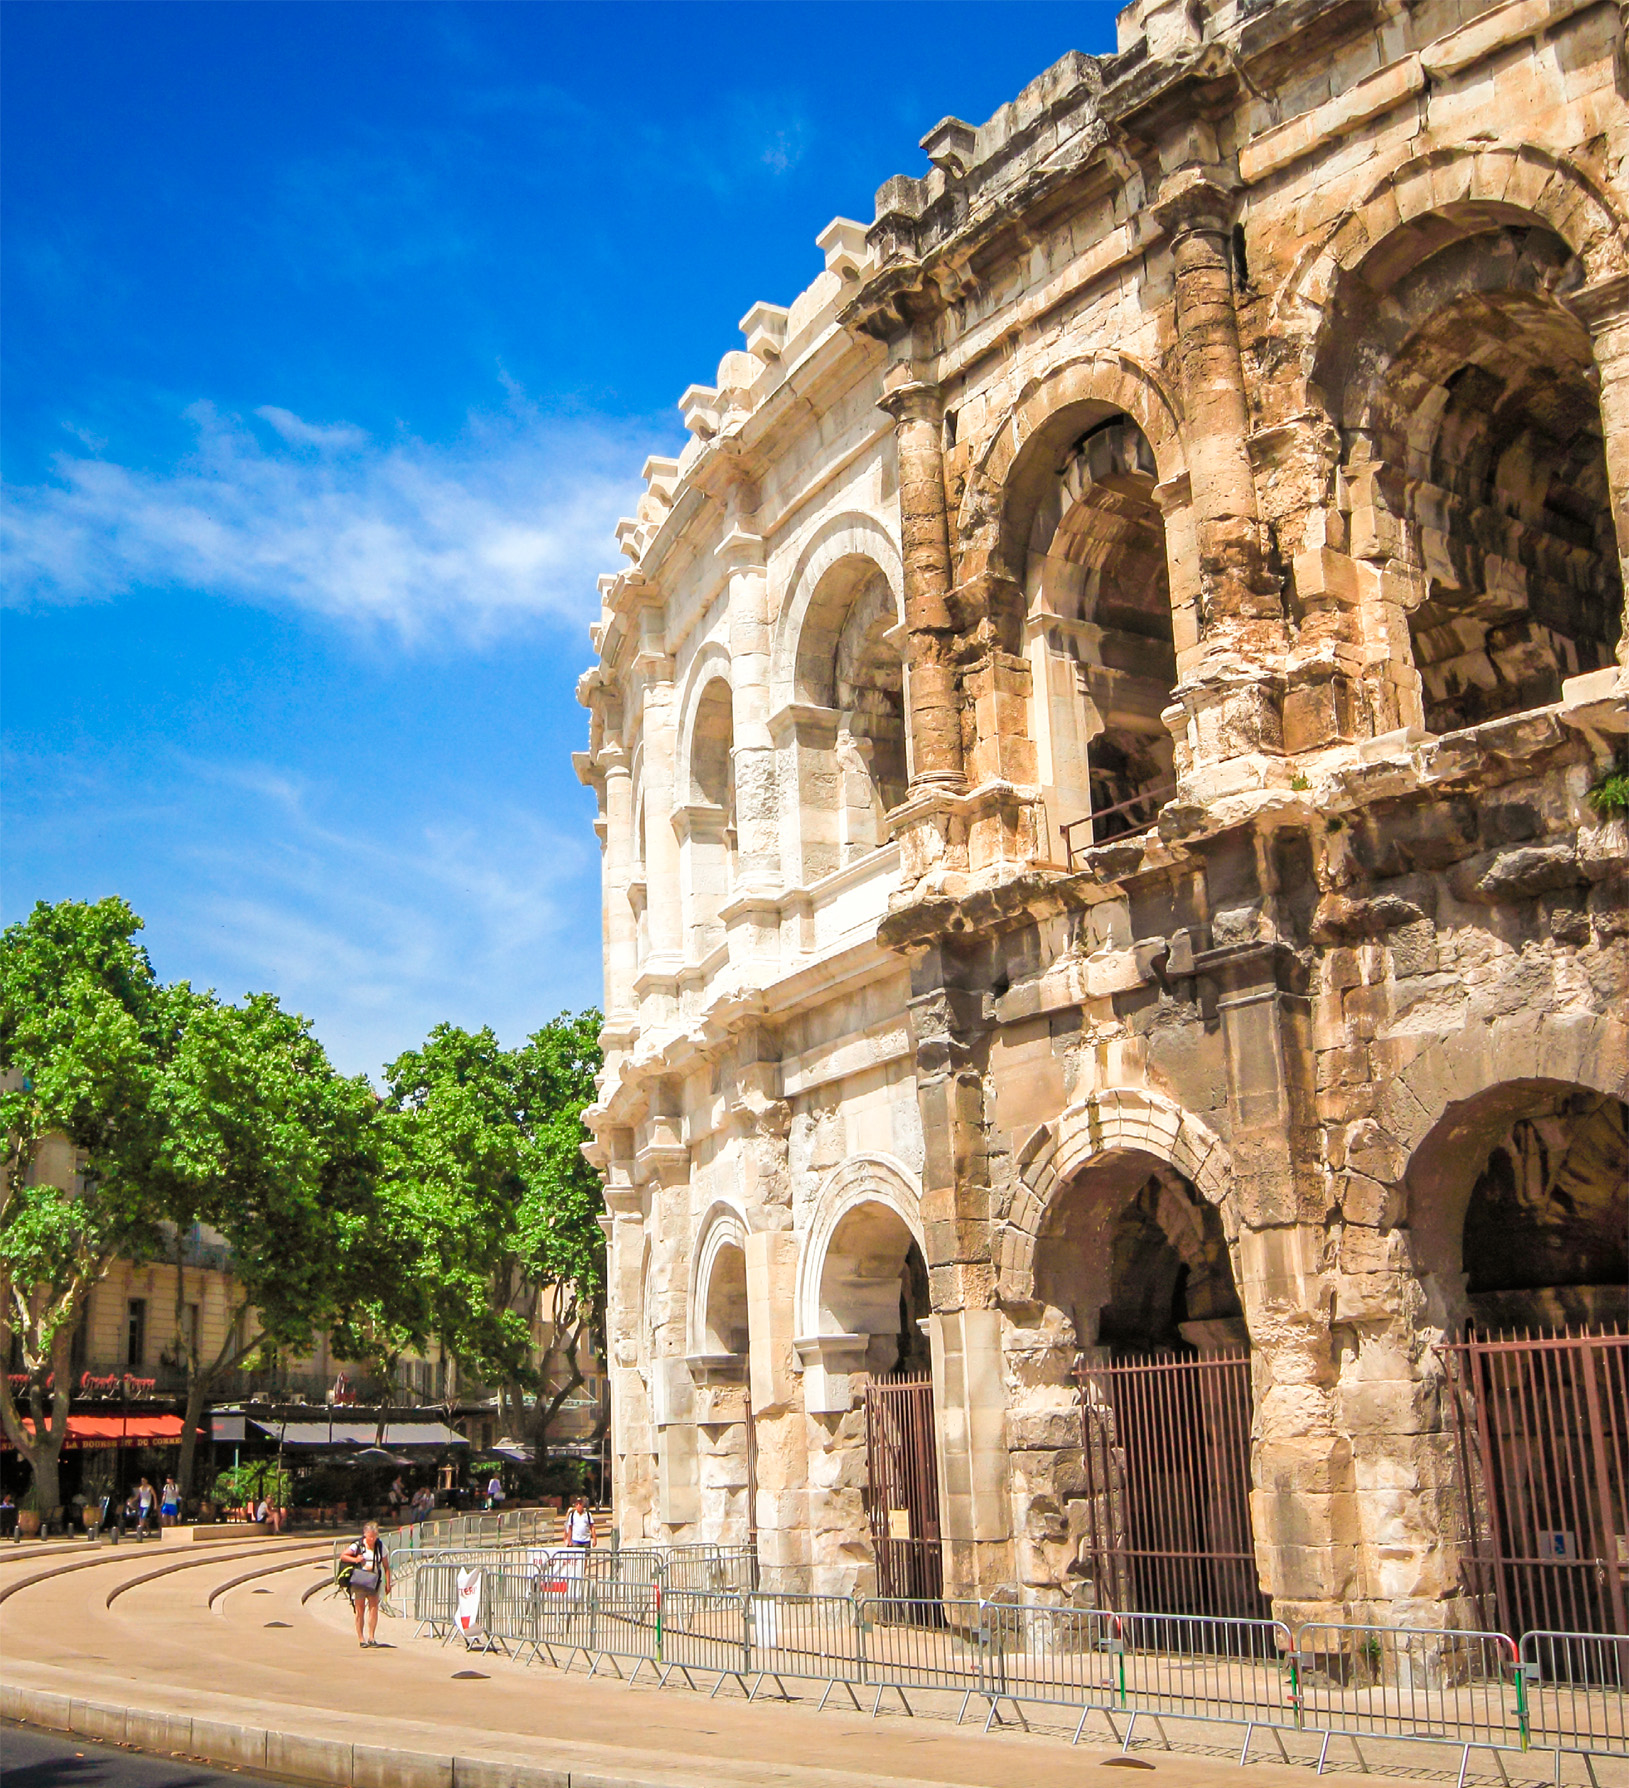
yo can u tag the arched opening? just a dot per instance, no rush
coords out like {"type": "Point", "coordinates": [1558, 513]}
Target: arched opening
{"type": "Point", "coordinates": [1546, 1235]}
{"type": "Point", "coordinates": [1134, 1260]}
{"type": "Point", "coordinates": [1518, 1209]}
{"type": "Point", "coordinates": [724, 1329]}
{"type": "Point", "coordinates": [872, 1317]}
{"type": "Point", "coordinates": [1099, 632]}
{"type": "Point", "coordinates": [850, 731]}
{"type": "Point", "coordinates": [1476, 465]}
{"type": "Point", "coordinates": [706, 820]}
{"type": "Point", "coordinates": [1136, 1288]}
{"type": "Point", "coordinates": [874, 1286]}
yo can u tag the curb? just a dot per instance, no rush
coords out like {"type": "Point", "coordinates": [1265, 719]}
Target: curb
{"type": "Point", "coordinates": [330, 1762]}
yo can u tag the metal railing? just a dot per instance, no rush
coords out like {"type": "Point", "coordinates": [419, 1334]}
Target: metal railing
{"type": "Point", "coordinates": [621, 1611]}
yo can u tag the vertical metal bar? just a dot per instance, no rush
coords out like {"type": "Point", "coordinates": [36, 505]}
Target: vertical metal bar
{"type": "Point", "coordinates": [1606, 1548]}
{"type": "Point", "coordinates": [1482, 1413]}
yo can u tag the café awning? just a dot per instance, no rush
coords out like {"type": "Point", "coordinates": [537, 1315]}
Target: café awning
{"type": "Point", "coordinates": [97, 1431]}
{"type": "Point", "coordinates": [352, 1433]}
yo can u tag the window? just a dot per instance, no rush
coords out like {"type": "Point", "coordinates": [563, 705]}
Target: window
{"type": "Point", "coordinates": [136, 1334]}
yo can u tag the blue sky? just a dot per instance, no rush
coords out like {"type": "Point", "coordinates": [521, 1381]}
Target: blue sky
{"type": "Point", "coordinates": [335, 338]}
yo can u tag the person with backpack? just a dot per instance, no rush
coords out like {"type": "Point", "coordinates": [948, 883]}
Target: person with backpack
{"type": "Point", "coordinates": [580, 1524]}
{"type": "Point", "coordinates": [370, 1574]}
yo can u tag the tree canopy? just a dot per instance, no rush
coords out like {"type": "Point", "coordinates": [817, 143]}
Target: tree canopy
{"type": "Point", "coordinates": [456, 1208]}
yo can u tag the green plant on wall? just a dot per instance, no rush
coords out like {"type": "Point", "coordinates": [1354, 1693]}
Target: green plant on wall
{"type": "Point", "coordinates": [1609, 794]}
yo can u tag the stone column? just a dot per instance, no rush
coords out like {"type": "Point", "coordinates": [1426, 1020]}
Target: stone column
{"type": "Point", "coordinates": [1604, 309]}
{"type": "Point", "coordinates": [621, 941]}
{"type": "Point", "coordinates": [1303, 1507]}
{"type": "Point", "coordinates": [935, 703]}
{"type": "Point", "coordinates": [757, 814]}
{"type": "Point", "coordinates": [975, 1504]}
{"type": "Point", "coordinates": [664, 912]}
{"type": "Point", "coordinates": [1196, 209]}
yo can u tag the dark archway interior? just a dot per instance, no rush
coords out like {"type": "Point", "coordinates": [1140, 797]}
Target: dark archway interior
{"type": "Point", "coordinates": [1137, 1261]}
{"type": "Point", "coordinates": [1158, 1291]}
{"type": "Point", "coordinates": [1098, 594]}
{"type": "Point", "coordinates": [855, 765]}
{"type": "Point", "coordinates": [1475, 391]}
{"type": "Point", "coordinates": [1546, 1236]}
{"type": "Point", "coordinates": [915, 1354]}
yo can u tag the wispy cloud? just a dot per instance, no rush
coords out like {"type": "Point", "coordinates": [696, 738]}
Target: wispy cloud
{"type": "Point", "coordinates": [508, 524]}
{"type": "Point", "coordinates": [377, 924]}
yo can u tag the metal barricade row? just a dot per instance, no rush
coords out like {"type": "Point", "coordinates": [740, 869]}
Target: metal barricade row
{"type": "Point", "coordinates": [1475, 1691]}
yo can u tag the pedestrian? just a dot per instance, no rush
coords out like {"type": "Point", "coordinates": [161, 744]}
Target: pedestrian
{"type": "Point", "coordinates": [396, 1496]}
{"type": "Point", "coordinates": [370, 1572]}
{"type": "Point", "coordinates": [580, 1524]}
{"type": "Point", "coordinates": [494, 1491]}
{"type": "Point", "coordinates": [263, 1513]}
{"type": "Point", "coordinates": [146, 1505]}
{"type": "Point", "coordinates": [169, 1503]}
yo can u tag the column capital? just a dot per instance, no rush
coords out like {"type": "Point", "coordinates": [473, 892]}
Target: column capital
{"type": "Point", "coordinates": [912, 400]}
{"type": "Point", "coordinates": [1196, 201]}
{"type": "Point", "coordinates": [740, 550]}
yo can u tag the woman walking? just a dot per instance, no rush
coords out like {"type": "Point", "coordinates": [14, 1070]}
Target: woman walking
{"type": "Point", "coordinates": [370, 1573]}
{"type": "Point", "coordinates": [169, 1505]}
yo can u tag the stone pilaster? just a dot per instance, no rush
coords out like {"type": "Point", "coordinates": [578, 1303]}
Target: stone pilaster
{"type": "Point", "coordinates": [1604, 308]}
{"type": "Point", "coordinates": [975, 1504]}
{"type": "Point", "coordinates": [664, 915]}
{"type": "Point", "coordinates": [935, 701]}
{"type": "Point", "coordinates": [1303, 1505]}
{"type": "Point", "coordinates": [757, 816]}
{"type": "Point", "coordinates": [621, 927]}
{"type": "Point", "coordinates": [1196, 209]}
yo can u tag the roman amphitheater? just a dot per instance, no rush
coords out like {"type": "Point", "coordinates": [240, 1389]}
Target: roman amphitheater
{"type": "Point", "coordinates": [1109, 744]}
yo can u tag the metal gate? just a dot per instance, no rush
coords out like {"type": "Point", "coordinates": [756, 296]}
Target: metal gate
{"type": "Point", "coordinates": [902, 1487]}
{"type": "Point", "coordinates": [1542, 1425]}
{"type": "Point", "coordinates": [1166, 1440]}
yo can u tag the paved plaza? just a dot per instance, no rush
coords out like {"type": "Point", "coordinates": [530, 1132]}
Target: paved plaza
{"type": "Point", "coordinates": [239, 1654]}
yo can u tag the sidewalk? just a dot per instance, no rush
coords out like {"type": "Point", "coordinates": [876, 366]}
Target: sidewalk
{"type": "Point", "coordinates": [267, 1675]}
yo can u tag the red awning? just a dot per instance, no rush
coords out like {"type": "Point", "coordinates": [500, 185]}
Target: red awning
{"type": "Point", "coordinates": [120, 1430]}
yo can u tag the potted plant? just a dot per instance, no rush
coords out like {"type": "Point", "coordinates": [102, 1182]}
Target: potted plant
{"type": "Point", "coordinates": [29, 1516]}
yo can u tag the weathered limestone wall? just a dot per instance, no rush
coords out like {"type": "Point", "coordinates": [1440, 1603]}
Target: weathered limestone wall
{"type": "Point", "coordinates": [1095, 744]}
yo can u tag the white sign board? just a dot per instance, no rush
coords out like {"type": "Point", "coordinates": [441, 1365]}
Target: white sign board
{"type": "Point", "coordinates": [469, 1603]}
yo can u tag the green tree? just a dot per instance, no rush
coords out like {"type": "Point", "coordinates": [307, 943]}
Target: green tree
{"type": "Point", "coordinates": [84, 1024]}
{"type": "Point", "coordinates": [484, 1174]}
{"type": "Point", "coordinates": [264, 1145]}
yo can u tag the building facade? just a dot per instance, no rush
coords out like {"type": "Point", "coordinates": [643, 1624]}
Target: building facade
{"type": "Point", "coordinates": [1095, 745]}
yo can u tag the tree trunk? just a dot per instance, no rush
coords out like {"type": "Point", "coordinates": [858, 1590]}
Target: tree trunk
{"type": "Point", "coordinates": [198, 1384]}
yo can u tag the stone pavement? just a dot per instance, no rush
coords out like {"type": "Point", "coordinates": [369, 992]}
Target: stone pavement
{"type": "Point", "coordinates": [240, 1656]}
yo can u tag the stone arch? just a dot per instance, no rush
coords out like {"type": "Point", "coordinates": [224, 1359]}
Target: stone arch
{"type": "Point", "coordinates": [1048, 412]}
{"type": "Point", "coordinates": [1585, 1049]}
{"type": "Point", "coordinates": [1463, 393]}
{"type": "Point", "coordinates": [710, 663]}
{"type": "Point", "coordinates": [838, 689]}
{"type": "Point", "coordinates": [1119, 1120]}
{"type": "Point", "coordinates": [1468, 187]}
{"type": "Point", "coordinates": [863, 1179]}
{"type": "Point", "coordinates": [720, 1256]}
{"type": "Point", "coordinates": [849, 536]}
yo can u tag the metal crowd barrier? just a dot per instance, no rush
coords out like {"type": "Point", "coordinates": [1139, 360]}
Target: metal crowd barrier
{"type": "Point", "coordinates": [1441, 1685]}
{"type": "Point", "coordinates": [626, 1611]}
{"type": "Point", "coordinates": [1576, 1693]}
